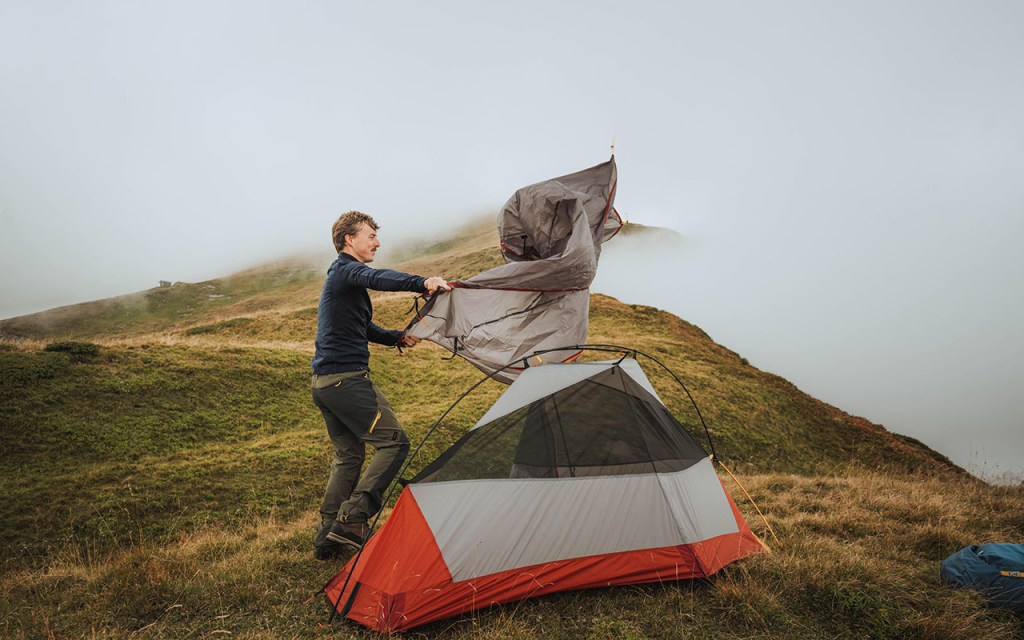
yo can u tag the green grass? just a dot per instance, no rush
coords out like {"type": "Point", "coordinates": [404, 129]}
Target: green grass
{"type": "Point", "coordinates": [19, 370]}
{"type": "Point", "coordinates": [177, 487]}
{"type": "Point", "coordinates": [857, 558]}
{"type": "Point", "coordinates": [162, 479]}
{"type": "Point", "coordinates": [222, 327]}
{"type": "Point", "coordinates": [118, 444]}
{"type": "Point", "coordinates": [180, 305]}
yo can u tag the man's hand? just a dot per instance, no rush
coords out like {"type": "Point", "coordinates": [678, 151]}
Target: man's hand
{"type": "Point", "coordinates": [408, 342]}
{"type": "Point", "coordinates": [435, 283]}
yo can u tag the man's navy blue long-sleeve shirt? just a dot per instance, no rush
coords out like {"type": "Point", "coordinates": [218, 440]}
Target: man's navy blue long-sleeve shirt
{"type": "Point", "coordinates": [344, 322]}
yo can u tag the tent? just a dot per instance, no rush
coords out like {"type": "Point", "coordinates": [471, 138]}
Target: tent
{"type": "Point", "coordinates": [550, 235]}
{"type": "Point", "coordinates": [577, 477]}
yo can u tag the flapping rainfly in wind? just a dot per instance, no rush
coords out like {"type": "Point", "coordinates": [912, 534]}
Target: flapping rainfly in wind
{"type": "Point", "coordinates": [550, 236]}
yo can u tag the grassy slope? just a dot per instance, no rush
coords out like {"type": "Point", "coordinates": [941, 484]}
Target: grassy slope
{"type": "Point", "coordinates": [168, 485]}
{"type": "Point", "coordinates": [272, 289]}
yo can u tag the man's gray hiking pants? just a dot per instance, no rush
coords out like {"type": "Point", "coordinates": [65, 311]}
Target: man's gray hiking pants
{"type": "Point", "coordinates": [357, 414]}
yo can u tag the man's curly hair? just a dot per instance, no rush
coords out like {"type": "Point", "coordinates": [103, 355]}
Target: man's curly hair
{"type": "Point", "coordinates": [348, 225]}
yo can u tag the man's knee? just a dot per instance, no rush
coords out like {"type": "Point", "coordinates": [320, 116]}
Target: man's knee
{"type": "Point", "coordinates": [390, 439]}
{"type": "Point", "coordinates": [347, 447]}
{"type": "Point", "coordinates": [403, 447]}
{"type": "Point", "coordinates": [342, 460]}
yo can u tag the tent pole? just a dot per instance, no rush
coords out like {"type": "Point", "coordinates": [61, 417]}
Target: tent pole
{"type": "Point", "coordinates": [617, 348]}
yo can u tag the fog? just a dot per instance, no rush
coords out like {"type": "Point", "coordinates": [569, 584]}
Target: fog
{"type": "Point", "coordinates": [942, 364]}
{"type": "Point", "coordinates": [846, 177]}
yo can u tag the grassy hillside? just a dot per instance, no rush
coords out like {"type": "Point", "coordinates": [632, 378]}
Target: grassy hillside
{"type": "Point", "coordinates": [274, 288]}
{"type": "Point", "coordinates": [164, 482]}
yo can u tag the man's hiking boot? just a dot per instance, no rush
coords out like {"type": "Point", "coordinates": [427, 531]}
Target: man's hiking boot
{"type": "Point", "coordinates": [324, 549]}
{"type": "Point", "coordinates": [353, 534]}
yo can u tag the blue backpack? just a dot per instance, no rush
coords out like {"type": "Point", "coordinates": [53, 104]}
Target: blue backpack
{"type": "Point", "coordinates": [994, 569]}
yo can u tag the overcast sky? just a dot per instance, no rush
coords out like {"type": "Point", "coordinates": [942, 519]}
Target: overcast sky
{"type": "Point", "coordinates": [848, 177]}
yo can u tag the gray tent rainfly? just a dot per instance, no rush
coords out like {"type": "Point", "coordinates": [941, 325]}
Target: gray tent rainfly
{"type": "Point", "coordinates": [550, 236]}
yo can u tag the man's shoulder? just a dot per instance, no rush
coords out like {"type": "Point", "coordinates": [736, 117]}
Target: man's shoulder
{"type": "Point", "coordinates": [345, 265]}
{"type": "Point", "coordinates": [345, 259]}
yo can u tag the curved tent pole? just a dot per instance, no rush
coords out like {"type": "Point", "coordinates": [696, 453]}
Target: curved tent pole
{"type": "Point", "coordinates": [525, 361]}
{"type": "Point", "coordinates": [618, 349]}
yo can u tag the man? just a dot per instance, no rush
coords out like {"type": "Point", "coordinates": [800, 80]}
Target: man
{"type": "Point", "coordinates": [355, 411]}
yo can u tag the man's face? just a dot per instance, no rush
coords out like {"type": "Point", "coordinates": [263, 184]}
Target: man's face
{"type": "Point", "coordinates": [363, 245]}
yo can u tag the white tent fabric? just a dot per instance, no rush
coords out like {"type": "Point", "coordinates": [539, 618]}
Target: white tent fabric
{"type": "Point", "coordinates": [487, 526]}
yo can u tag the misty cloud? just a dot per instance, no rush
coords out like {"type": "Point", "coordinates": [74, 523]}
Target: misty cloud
{"type": "Point", "coordinates": [846, 178]}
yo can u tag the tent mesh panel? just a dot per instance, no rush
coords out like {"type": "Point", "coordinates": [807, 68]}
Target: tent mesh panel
{"type": "Point", "coordinates": [604, 425]}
